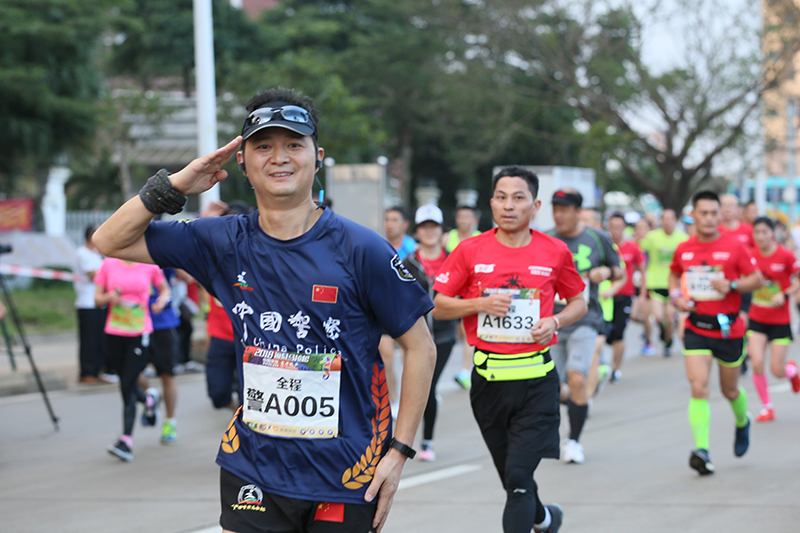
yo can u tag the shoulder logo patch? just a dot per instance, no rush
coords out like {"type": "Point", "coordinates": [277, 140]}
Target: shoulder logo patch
{"type": "Point", "coordinates": [401, 270]}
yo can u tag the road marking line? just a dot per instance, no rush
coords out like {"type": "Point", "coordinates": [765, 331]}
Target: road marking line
{"type": "Point", "coordinates": [437, 475]}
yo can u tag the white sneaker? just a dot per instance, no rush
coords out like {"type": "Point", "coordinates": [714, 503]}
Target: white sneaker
{"type": "Point", "coordinates": [573, 452]}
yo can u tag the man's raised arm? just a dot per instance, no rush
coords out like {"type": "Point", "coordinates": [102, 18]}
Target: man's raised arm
{"type": "Point", "coordinates": [122, 235]}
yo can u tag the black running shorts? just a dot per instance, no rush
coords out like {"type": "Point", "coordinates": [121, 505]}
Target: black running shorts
{"type": "Point", "coordinates": [772, 331]}
{"type": "Point", "coordinates": [246, 508]}
{"type": "Point", "coordinates": [518, 418]}
{"type": "Point", "coordinates": [163, 351]}
{"type": "Point", "coordinates": [622, 312]}
{"type": "Point", "coordinates": [727, 352]}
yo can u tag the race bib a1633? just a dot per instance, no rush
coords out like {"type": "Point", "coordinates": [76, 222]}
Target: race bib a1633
{"type": "Point", "coordinates": [516, 326]}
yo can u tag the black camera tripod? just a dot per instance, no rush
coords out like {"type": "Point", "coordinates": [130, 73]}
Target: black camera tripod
{"type": "Point", "coordinates": [12, 311]}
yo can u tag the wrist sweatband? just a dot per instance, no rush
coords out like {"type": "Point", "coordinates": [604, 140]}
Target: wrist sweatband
{"type": "Point", "coordinates": [159, 196]}
{"type": "Point", "coordinates": [557, 321]}
{"type": "Point", "coordinates": [674, 294]}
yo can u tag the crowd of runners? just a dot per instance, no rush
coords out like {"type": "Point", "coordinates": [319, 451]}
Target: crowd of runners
{"type": "Point", "coordinates": [317, 306]}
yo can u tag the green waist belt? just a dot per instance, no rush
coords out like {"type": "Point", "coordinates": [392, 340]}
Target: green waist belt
{"type": "Point", "coordinates": [512, 367]}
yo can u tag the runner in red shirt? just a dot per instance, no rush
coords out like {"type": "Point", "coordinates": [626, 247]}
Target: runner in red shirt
{"type": "Point", "coordinates": [707, 274]}
{"type": "Point", "coordinates": [730, 221]}
{"type": "Point", "coordinates": [769, 313]}
{"type": "Point", "coordinates": [507, 279]}
{"type": "Point", "coordinates": [635, 260]}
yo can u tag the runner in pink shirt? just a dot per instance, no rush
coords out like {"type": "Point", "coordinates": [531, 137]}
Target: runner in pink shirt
{"type": "Point", "coordinates": [125, 287]}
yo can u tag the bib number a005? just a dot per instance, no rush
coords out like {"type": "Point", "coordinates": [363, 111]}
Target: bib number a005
{"type": "Point", "coordinates": [696, 283]}
{"type": "Point", "coordinates": [291, 395]}
{"type": "Point", "coordinates": [516, 326]}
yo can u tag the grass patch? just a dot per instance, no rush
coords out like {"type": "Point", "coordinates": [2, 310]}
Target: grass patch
{"type": "Point", "coordinates": [45, 309]}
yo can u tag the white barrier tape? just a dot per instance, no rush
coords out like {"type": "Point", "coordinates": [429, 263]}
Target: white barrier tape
{"type": "Point", "coordinates": [41, 273]}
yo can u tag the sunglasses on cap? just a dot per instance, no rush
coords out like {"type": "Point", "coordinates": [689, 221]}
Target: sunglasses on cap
{"type": "Point", "coordinates": [290, 114]}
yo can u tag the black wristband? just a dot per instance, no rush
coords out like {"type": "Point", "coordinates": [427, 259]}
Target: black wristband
{"type": "Point", "coordinates": [405, 449]}
{"type": "Point", "coordinates": [159, 196]}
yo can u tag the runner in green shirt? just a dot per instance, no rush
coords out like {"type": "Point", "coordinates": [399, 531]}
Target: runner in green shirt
{"type": "Point", "coordinates": [659, 245]}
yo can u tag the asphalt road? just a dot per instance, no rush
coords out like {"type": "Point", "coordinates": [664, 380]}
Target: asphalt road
{"type": "Point", "coordinates": [636, 476]}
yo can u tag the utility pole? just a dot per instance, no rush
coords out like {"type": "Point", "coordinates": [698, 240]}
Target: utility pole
{"type": "Point", "coordinates": [790, 150]}
{"type": "Point", "coordinates": [206, 90]}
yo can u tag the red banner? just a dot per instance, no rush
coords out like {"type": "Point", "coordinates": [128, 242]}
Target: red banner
{"type": "Point", "coordinates": [16, 215]}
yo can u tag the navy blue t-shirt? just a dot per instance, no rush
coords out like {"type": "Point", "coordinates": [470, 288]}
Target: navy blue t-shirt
{"type": "Point", "coordinates": [307, 314]}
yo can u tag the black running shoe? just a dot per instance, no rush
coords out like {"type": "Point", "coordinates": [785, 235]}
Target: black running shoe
{"type": "Point", "coordinates": [556, 519]}
{"type": "Point", "coordinates": [700, 461]}
{"type": "Point", "coordinates": [121, 450]}
{"type": "Point", "coordinates": [742, 441]}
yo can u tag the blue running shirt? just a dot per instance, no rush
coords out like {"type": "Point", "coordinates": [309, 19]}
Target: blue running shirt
{"type": "Point", "coordinates": [307, 314]}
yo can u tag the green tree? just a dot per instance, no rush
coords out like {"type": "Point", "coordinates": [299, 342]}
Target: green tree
{"type": "Point", "coordinates": [49, 83]}
{"type": "Point", "coordinates": [155, 43]}
{"type": "Point", "coordinates": [423, 75]}
{"type": "Point", "coordinates": [682, 120]}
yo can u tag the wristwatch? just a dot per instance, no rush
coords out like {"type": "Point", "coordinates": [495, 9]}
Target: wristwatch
{"type": "Point", "coordinates": [734, 284]}
{"type": "Point", "coordinates": [405, 449]}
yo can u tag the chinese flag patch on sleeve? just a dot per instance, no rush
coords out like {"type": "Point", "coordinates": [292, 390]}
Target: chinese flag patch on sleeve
{"type": "Point", "coordinates": [330, 512]}
{"type": "Point", "coordinates": [325, 294]}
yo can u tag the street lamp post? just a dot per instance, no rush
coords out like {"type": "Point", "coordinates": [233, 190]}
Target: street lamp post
{"type": "Point", "coordinates": [206, 90]}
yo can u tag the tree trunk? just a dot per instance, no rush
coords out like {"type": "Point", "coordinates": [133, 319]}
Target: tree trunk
{"type": "Point", "coordinates": [125, 172]}
{"type": "Point", "coordinates": [400, 169]}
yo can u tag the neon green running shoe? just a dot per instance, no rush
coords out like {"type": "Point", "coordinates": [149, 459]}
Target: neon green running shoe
{"type": "Point", "coordinates": [464, 379]}
{"type": "Point", "coordinates": [169, 433]}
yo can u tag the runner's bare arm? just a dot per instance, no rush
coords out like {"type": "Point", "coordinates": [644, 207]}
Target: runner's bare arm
{"type": "Point", "coordinates": [542, 332]}
{"type": "Point", "coordinates": [747, 283]}
{"type": "Point", "coordinates": [419, 357]}
{"type": "Point", "coordinates": [615, 286]}
{"type": "Point", "coordinates": [164, 295]}
{"type": "Point", "coordinates": [681, 302]}
{"type": "Point", "coordinates": [449, 308]}
{"type": "Point", "coordinates": [103, 298]}
{"type": "Point", "coordinates": [122, 235]}
{"type": "Point", "coordinates": [602, 273]}
{"type": "Point", "coordinates": [643, 282]}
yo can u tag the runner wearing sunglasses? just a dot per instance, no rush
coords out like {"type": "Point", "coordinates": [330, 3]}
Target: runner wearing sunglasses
{"type": "Point", "coordinates": [309, 293]}
{"type": "Point", "coordinates": [707, 276]}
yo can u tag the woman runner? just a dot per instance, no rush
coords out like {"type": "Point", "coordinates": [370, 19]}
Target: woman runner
{"type": "Point", "coordinates": [769, 313]}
